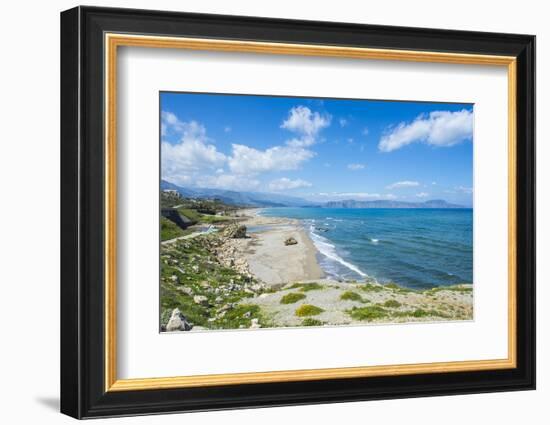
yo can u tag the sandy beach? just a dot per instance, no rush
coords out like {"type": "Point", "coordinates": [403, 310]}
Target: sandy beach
{"type": "Point", "coordinates": [237, 279]}
{"type": "Point", "coordinates": [269, 259]}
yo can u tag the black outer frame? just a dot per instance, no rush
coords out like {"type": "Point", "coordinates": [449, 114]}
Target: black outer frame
{"type": "Point", "coordinates": [82, 212]}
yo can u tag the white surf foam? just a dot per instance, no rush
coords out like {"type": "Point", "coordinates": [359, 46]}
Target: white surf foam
{"type": "Point", "coordinates": [329, 250]}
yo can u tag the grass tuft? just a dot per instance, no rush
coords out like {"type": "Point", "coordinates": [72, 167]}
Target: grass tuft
{"type": "Point", "coordinates": [368, 313]}
{"type": "Point", "coordinates": [313, 286]}
{"type": "Point", "coordinates": [310, 321]}
{"type": "Point", "coordinates": [351, 296]}
{"type": "Point", "coordinates": [308, 310]}
{"type": "Point", "coordinates": [292, 298]}
{"type": "Point", "coordinates": [392, 304]}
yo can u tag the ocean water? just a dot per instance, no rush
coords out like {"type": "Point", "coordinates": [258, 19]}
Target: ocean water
{"type": "Point", "coordinates": [416, 248]}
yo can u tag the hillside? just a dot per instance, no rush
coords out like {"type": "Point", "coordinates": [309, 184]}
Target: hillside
{"type": "Point", "coordinates": [243, 199]}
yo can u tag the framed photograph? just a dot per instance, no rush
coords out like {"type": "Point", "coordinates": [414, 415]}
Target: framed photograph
{"type": "Point", "coordinates": [261, 212]}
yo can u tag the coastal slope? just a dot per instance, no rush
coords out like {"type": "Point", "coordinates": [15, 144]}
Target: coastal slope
{"type": "Point", "coordinates": [260, 271]}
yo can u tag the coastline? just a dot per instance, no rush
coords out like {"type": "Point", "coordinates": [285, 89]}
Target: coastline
{"type": "Point", "coordinates": [244, 276]}
{"type": "Point", "coordinates": [269, 259]}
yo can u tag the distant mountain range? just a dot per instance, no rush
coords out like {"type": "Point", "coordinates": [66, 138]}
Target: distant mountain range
{"type": "Point", "coordinates": [261, 199]}
{"type": "Point", "coordinates": [254, 199]}
{"type": "Point", "coordinates": [350, 203]}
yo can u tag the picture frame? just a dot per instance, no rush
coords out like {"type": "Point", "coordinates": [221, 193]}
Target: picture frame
{"type": "Point", "coordinates": [90, 40]}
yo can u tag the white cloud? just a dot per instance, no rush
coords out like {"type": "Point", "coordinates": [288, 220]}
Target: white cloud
{"type": "Point", "coordinates": [301, 143]}
{"type": "Point", "coordinates": [227, 129]}
{"type": "Point", "coordinates": [247, 160]}
{"type": "Point", "coordinates": [228, 181]}
{"type": "Point", "coordinates": [439, 128]}
{"type": "Point", "coordinates": [402, 184]}
{"type": "Point", "coordinates": [343, 122]}
{"type": "Point", "coordinates": [464, 189]}
{"type": "Point", "coordinates": [356, 167]}
{"type": "Point", "coordinates": [422, 195]}
{"type": "Point", "coordinates": [191, 154]}
{"type": "Point", "coordinates": [302, 121]}
{"type": "Point", "coordinates": [285, 183]}
{"type": "Point", "coordinates": [306, 124]}
{"type": "Point", "coordinates": [365, 131]}
{"type": "Point", "coordinates": [171, 124]}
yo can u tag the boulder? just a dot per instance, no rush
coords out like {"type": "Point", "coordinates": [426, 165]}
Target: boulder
{"type": "Point", "coordinates": [235, 231]}
{"type": "Point", "coordinates": [178, 322]}
{"type": "Point", "coordinates": [291, 241]}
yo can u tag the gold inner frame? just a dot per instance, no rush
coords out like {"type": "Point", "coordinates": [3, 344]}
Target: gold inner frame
{"type": "Point", "coordinates": [113, 41]}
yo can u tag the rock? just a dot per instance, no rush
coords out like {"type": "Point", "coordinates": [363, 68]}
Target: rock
{"type": "Point", "coordinates": [291, 241]}
{"type": "Point", "coordinates": [254, 324]}
{"type": "Point", "coordinates": [200, 299]}
{"type": "Point", "coordinates": [174, 278]}
{"type": "Point", "coordinates": [235, 231]}
{"type": "Point", "coordinates": [186, 290]}
{"type": "Point", "coordinates": [178, 322]}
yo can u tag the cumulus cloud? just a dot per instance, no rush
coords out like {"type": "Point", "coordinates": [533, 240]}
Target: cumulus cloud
{"type": "Point", "coordinates": [422, 195]}
{"type": "Point", "coordinates": [343, 122]}
{"type": "Point", "coordinates": [193, 151]}
{"type": "Point", "coordinates": [307, 124]}
{"type": "Point", "coordinates": [247, 160]}
{"type": "Point", "coordinates": [171, 124]}
{"type": "Point", "coordinates": [356, 167]}
{"type": "Point", "coordinates": [439, 128]}
{"type": "Point", "coordinates": [285, 183]}
{"type": "Point", "coordinates": [193, 159]}
{"type": "Point", "coordinates": [402, 184]}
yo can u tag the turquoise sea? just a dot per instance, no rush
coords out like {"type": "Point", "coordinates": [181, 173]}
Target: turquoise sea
{"type": "Point", "coordinates": [416, 248]}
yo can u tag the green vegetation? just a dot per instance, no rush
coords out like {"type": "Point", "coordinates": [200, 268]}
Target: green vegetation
{"type": "Point", "coordinates": [313, 286]}
{"type": "Point", "coordinates": [310, 321]}
{"type": "Point", "coordinates": [396, 288]}
{"type": "Point", "coordinates": [207, 293]}
{"type": "Point", "coordinates": [392, 304]}
{"type": "Point", "coordinates": [213, 219]}
{"type": "Point", "coordinates": [369, 287]}
{"type": "Point", "coordinates": [425, 313]}
{"type": "Point", "coordinates": [192, 215]}
{"type": "Point", "coordinates": [351, 296]}
{"type": "Point", "coordinates": [461, 288]}
{"type": "Point", "coordinates": [240, 317]}
{"type": "Point", "coordinates": [169, 230]}
{"type": "Point", "coordinates": [368, 313]}
{"type": "Point", "coordinates": [308, 310]}
{"type": "Point", "coordinates": [292, 297]}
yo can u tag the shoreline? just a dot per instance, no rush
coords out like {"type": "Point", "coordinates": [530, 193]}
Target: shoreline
{"type": "Point", "coordinates": [232, 279]}
{"type": "Point", "coordinates": [269, 259]}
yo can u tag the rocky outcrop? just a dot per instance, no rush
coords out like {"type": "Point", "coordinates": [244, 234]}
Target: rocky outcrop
{"type": "Point", "coordinates": [178, 322]}
{"type": "Point", "coordinates": [235, 231]}
{"type": "Point", "coordinates": [291, 241]}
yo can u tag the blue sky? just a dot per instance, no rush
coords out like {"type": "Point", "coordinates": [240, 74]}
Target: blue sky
{"type": "Point", "coordinates": [319, 149]}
